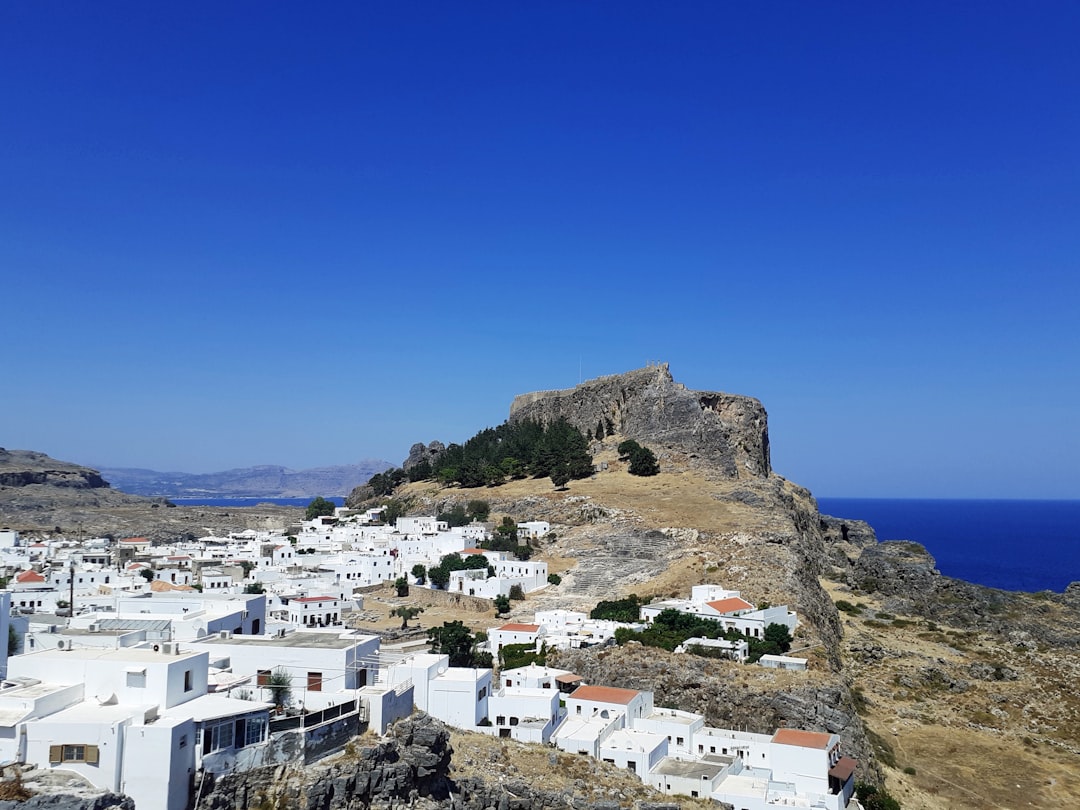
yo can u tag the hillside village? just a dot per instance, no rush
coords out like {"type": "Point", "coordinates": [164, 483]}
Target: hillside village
{"type": "Point", "coordinates": [142, 666]}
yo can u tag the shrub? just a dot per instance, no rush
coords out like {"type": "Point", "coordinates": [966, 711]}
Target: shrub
{"type": "Point", "coordinates": [554, 579]}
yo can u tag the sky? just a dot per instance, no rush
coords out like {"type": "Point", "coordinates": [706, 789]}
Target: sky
{"type": "Point", "coordinates": [264, 233]}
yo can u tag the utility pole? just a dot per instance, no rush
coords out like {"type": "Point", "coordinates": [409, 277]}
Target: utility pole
{"type": "Point", "coordinates": [71, 596]}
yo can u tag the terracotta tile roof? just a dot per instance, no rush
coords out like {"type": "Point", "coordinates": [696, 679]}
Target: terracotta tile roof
{"type": "Point", "coordinates": [472, 551]}
{"type": "Point", "coordinates": [569, 677]}
{"type": "Point", "coordinates": [315, 599]}
{"type": "Point", "coordinates": [803, 739]}
{"type": "Point", "coordinates": [134, 540]}
{"type": "Point", "coordinates": [520, 628]}
{"type": "Point", "coordinates": [29, 575]}
{"type": "Point", "coordinates": [604, 694]}
{"type": "Point", "coordinates": [843, 769]}
{"type": "Point", "coordinates": [730, 605]}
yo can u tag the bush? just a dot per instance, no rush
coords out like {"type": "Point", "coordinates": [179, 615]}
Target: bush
{"type": "Point", "coordinates": [554, 579]}
{"type": "Point", "coordinates": [846, 607]}
{"type": "Point", "coordinates": [643, 462]}
{"type": "Point", "coordinates": [516, 592]}
{"type": "Point", "coordinates": [319, 507]}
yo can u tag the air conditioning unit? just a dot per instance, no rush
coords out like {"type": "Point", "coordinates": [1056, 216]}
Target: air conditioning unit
{"type": "Point", "coordinates": [224, 634]}
{"type": "Point", "coordinates": [94, 628]}
{"type": "Point", "coordinates": [167, 648]}
{"type": "Point", "coordinates": [62, 644]}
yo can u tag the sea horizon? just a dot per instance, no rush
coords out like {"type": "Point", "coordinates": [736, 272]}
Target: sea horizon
{"type": "Point", "coordinates": [1013, 544]}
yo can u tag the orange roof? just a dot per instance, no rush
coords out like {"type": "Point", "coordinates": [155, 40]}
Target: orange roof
{"type": "Point", "coordinates": [604, 694]}
{"type": "Point", "coordinates": [314, 599]}
{"type": "Point", "coordinates": [134, 540]}
{"type": "Point", "coordinates": [730, 605]}
{"type": "Point", "coordinates": [513, 627]}
{"type": "Point", "coordinates": [29, 575]}
{"type": "Point", "coordinates": [472, 551]}
{"type": "Point", "coordinates": [569, 677]}
{"type": "Point", "coordinates": [803, 739]}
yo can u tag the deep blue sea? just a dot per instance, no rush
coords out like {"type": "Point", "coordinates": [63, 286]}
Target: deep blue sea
{"type": "Point", "coordinates": [1014, 545]}
{"type": "Point", "coordinates": [338, 501]}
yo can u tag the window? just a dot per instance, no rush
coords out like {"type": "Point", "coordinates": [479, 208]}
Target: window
{"type": "Point", "coordinates": [262, 677]}
{"type": "Point", "coordinates": [500, 720]}
{"type": "Point", "coordinates": [73, 753]}
{"type": "Point", "coordinates": [314, 681]}
{"type": "Point", "coordinates": [250, 731]}
{"type": "Point", "coordinates": [183, 742]}
{"type": "Point", "coordinates": [187, 680]}
{"type": "Point", "coordinates": [218, 737]}
{"type": "Point", "coordinates": [631, 766]}
{"type": "Point", "coordinates": [679, 741]}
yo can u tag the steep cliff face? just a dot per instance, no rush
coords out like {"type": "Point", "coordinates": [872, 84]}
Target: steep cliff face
{"type": "Point", "coordinates": [728, 431]}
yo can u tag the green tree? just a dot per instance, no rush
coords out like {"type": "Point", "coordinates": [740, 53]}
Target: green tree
{"type": "Point", "coordinates": [516, 592]}
{"type": "Point", "coordinates": [420, 573]}
{"type": "Point", "coordinates": [643, 462]}
{"type": "Point", "coordinates": [420, 472]}
{"type": "Point", "coordinates": [626, 448]}
{"type": "Point", "coordinates": [455, 640]}
{"type": "Point", "coordinates": [560, 475]}
{"type": "Point", "coordinates": [395, 508]}
{"type": "Point", "coordinates": [406, 612]}
{"type": "Point", "coordinates": [438, 576]}
{"type": "Point", "coordinates": [502, 605]}
{"type": "Point", "coordinates": [254, 587]}
{"type": "Point", "coordinates": [479, 510]}
{"type": "Point", "coordinates": [600, 430]}
{"type": "Point", "coordinates": [554, 579]}
{"type": "Point", "coordinates": [147, 574]}
{"type": "Point", "coordinates": [318, 508]}
{"type": "Point", "coordinates": [12, 641]}
{"type": "Point", "coordinates": [280, 685]}
{"type": "Point", "coordinates": [401, 586]}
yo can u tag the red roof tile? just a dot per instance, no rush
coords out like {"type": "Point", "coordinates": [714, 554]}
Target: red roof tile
{"type": "Point", "coordinates": [29, 576]}
{"type": "Point", "coordinates": [520, 628]}
{"type": "Point", "coordinates": [730, 605]}
{"type": "Point", "coordinates": [803, 739]}
{"type": "Point", "coordinates": [604, 694]}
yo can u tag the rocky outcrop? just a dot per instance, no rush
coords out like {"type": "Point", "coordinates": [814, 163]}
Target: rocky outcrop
{"type": "Point", "coordinates": [409, 768]}
{"type": "Point", "coordinates": [905, 575]}
{"type": "Point", "coordinates": [419, 453]}
{"type": "Point", "coordinates": [22, 468]}
{"type": "Point", "coordinates": [727, 431]}
{"type": "Point", "coordinates": [60, 801]}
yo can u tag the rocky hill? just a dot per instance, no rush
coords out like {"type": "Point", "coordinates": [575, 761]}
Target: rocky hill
{"type": "Point", "coordinates": [727, 432]}
{"type": "Point", "coordinates": [266, 481]}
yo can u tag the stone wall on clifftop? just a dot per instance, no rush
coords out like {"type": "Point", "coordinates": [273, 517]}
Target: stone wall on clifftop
{"type": "Point", "coordinates": [727, 430]}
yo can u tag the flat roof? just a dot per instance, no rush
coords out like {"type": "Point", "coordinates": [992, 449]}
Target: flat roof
{"type": "Point", "coordinates": [691, 768]}
{"type": "Point", "coordinates": [212, 707]}
{"type": "Point", "coordinates": [132, 654]}
{"type": "Point", "coordinates": [321, 641]}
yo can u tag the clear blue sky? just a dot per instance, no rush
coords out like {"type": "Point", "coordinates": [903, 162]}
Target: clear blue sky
{"type": "Point", "coordinates": [246, 233]}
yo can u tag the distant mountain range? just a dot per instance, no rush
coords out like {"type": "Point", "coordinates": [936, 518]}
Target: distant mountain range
{"type": "Point", "coordinates": [268, 481]}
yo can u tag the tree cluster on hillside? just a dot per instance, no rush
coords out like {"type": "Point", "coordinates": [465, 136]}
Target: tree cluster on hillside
{"type": "Point", "coordinates": [619, 610]}
{"type": "Point", "coordinates": [642, 459]}
{"type": "Point", "coordinates": [385, 483]}
{"type": "Point", "coordinates": [672, 627]}
{"type": "Point", "coordinates": [515, 450]}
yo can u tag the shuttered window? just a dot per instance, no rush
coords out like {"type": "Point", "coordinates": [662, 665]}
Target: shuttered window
{"type": "Point", "coordinates": [73, 752]}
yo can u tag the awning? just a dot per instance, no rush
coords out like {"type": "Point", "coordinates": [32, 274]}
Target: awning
{"type": "Point", "coordinates": [843, 769]}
